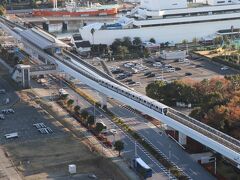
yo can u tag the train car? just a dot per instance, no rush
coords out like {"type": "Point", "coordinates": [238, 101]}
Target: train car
{"type": "Point", "coordinates": [153, 104]}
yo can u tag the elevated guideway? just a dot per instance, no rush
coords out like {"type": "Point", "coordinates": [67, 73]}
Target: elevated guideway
{"type": "Point", "coordinates": [204, 134]}
{"type": "Point", "coordinates": [86, 73]}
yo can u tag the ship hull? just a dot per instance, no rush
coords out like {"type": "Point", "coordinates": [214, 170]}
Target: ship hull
{"type": "Point", "coordinates": [97, 12]}
{"type": "Point", "coordinates": [162, 34]}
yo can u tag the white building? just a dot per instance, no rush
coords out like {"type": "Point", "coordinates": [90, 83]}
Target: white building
{"type": "Point", "coordinates": [173, 54]}
{"type": "Point", "coordinates": [83, 47]}
{"type": "Point", "coordinates": [168, 21]}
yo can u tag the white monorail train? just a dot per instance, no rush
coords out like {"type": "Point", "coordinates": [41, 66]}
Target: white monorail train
{"type": "Point", "coordinates": [142, 99]}
{"type": "Point", "coordinates": [152, 104]}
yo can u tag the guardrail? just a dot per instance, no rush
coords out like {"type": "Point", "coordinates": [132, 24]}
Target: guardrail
{"type": "Point", "coordinates": [210, 132]}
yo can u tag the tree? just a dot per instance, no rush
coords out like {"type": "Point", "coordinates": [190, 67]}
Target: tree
{"type": "Point", "coordinates": [218, 40]}
{"type": "Point", "coordinates": [70, 102]}
{"type": "Point", "coordinates": [152, 40]}
{"type": "Point", "coordinates": [3, 3]}
{"type": "Point", "coordinates": [116, 43]}
{"type": "Point", "coordinates": [2, 10]}
{"type": "Point", "coordinates": [119, 146]}
{"type": "Point", "coordinates": [146, 52]}
{"type": "Point", "coordinates": [137, 41]}
{"type": "Point", "coordinates": [99, 127]}
{"type": "Point", "coordinates": [122, 51]}
{"type": "Point", "coordinates": [64, 96]}
{"type": "Point", "coordinates": [91, 120]}
{"type": "Point", "coordinates": [92, 32]}
{"type": "Point", "coordinates": [195, 41]}
{"type": "Point", "coordinates": [77, 108]}
{"type": "Point", "coordinates": [184, 41]}
{"type": "Point", "coordinates": [84, 114]}
{"type": "Point", "coordinates": [127, 42]}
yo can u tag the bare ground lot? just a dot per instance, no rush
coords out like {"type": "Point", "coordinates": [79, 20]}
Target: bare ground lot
{"type": "Point", "coordinates": [49, 158]}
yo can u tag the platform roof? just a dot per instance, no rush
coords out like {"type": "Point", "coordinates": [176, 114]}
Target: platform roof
{"type": "Point", "coordinates": [42, 39]}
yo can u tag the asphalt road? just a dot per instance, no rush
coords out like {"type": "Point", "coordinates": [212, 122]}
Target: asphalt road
{"type": "Point", "coordinates": [162, 142]}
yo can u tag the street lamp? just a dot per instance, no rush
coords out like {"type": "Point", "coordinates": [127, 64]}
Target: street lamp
{"type": "Point", "coordinates": [169, 152]}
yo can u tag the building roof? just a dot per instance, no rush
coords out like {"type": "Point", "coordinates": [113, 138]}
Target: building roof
{"type": "Point", "coordinates": [83, 44]}
{"type": "Point", "coordinates": [42, 39]}
{"type": "Point", "coordinates": [77, 37]}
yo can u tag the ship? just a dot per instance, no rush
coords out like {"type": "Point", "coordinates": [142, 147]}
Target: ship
{"type": "Point", "coordinates": [73, 9]}
{"type": "Point", "coordinates": [170, 21]}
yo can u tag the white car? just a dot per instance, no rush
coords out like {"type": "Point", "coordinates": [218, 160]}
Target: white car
{"type": "Point", "coordinates": [224, 68]}
{"type": "Point", "coordinates": [113, 131]}
{"type": "Point", "coordinates": [159, 78]}
{"type": "Point", "coordinates": [157, 65]}
{"type": "Point", "coordinates": [2, 91]}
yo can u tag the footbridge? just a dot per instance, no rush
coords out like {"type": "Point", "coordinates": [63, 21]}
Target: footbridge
{"type": "Point", "coordinates": [86, 73]}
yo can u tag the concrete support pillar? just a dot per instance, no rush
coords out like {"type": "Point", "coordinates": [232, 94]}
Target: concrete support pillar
{"type": "Point", "coordinates": [46, 26]}
{"type": "Point", "coordinates": [65, 26]}
{"type": "Point", "coordinates": [182, 138]}
{"type": "Point", "coordinates": [25, 76]}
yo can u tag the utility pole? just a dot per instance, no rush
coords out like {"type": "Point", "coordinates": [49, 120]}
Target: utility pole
{"type": "Point", "coordinates": [94, 112]}
{"type": "Point", "coordinates": [169, 152]}
{"type": "Point", "coordinates": [135, 149]}
{"type": "Point", "coordinates": [215, 165]}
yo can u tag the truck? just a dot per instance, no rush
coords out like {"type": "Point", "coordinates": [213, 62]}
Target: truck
{"type": "Point", "coordinates": [142, 168]}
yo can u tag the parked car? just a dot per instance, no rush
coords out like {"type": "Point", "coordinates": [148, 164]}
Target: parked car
{"type": "Point", "coordinates": [147, 73]}
{"type": "Point", "coordinates": [224, 68]}
{"type": "Point", "coordinates": [159, 78]}
{"type": "Point", "coordinates": [128, 74]}
{"type": "Point", "coordinates": [128, 80]}
{"type": "Point", "coordinates": [178, 68]}
{"type": "Point", "coordinates": [121, 77]}
{"type": "Point", "coordinates": [131, 82]}
{"type": "Point", "coordinates": [135, 71]}
{"type": "Point", "coordinates": [170, 70]}
{"type": "Point", "coordinates": [198, 66]}
{"type": "Point", "coordinates": [2, 91]}
{"type": "Point", "coordinates": [157, 64]}
{"type": "Point", "coordinates": [113, 131]}
{"type": "Point", "coordinates": [117, 71]}
{"type": "Point", "coordinates": [188, 74]}
{"type": "Point", "coordinates": [151, 75]}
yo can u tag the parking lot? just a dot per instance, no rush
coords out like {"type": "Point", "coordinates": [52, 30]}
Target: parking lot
{"type": "Point", "coordinates": [20, 116]}
{"type": "Point", "coordinates": [139, 73]}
